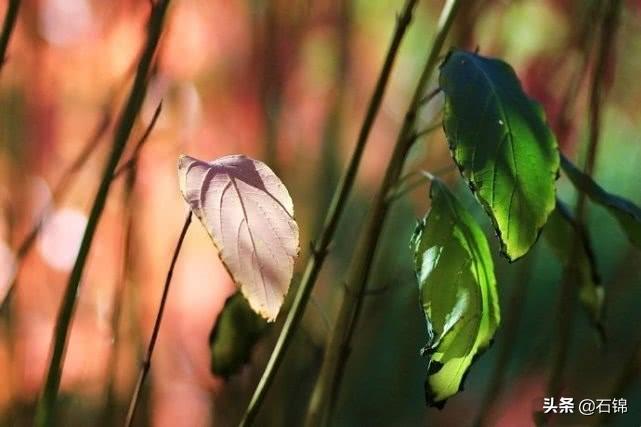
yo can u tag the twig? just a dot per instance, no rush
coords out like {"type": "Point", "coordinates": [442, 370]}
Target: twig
{"type": "Point", "coordinates": [133, 160]}
{"type": "Point", "coordinates": [336, 353]}
{"type": "Point", "coordinates": [423, 175]}
{"type": "Point", "coordinates": [7, 28]}
{"type": "Point", "coordinates": [146, 364]}
{"type": "Point", "coordinates": [46, 405]}
{"type": "Point", "coordinates": [334, 214]}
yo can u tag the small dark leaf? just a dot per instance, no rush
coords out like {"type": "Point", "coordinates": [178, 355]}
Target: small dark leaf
{"type": "Point", "coordinates": [457, 290]}
{"type": "Point", "coordinates": [560, 232]}
{"type": "Point", "coordinates": [626, 213]}
{"type": "Point", "coordinates": [235, 333]}
{"type": "Point", "coordinates": [502, 145]}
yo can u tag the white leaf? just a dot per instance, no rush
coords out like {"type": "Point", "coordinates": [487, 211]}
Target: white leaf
{"type": "Point", "coordinates": [250, 217]}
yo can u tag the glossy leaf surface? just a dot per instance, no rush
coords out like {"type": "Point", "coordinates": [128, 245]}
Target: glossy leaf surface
{"type": "Point", "coordinates": [502, 145]}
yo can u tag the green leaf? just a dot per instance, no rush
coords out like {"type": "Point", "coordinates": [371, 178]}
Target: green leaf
{"type": "Point", "coordinates": [626, 213]}
{"type": "Point", "coordinates": [560, 232]}
{"type": "Point", "coordinates": [235, 333]}
{"type": "Point", "coordinates": [502, 145]}
{"type": "Point", "coordinates": [457, 290]}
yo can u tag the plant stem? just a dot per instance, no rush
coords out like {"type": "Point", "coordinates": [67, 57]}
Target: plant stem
{"type": "Point", "coordinates": [8, 25]}
{"type": "Point", "coordinates": [569, 292]}
{"type": "Point", "coordinates": [336, 209]}
{"type": "Point", "coordinates": [146, 364]}
{"type": "Point", "coordinates": [132, 163]}
{"type": "Point", "coordinates": [130, 169]}
{"type": "Point", "coordinates": [336, 354]}
{"type": "Point", "coordinates": [46, 405]}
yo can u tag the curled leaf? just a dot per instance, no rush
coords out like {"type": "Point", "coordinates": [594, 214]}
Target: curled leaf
{"type": "Point", "coordinates": [234, 335]}
{"type": "Point", "coordinates": [624, 211]}
{"type": "Point", "coordinates": [502, 145]}
{"type": "Point", "coordinates": [457, 290]}
{"type": "Point", "coordinates": [248, 213]}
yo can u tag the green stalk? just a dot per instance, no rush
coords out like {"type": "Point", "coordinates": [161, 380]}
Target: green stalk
{"type": "Point", "coordinates": [331, 373]}
{"type": "Point", "coordinates": [8, 25]}
{"type": "Point", "coordinates": [336, 209]}
{"type": "Point", "coordinates": [45, 412]}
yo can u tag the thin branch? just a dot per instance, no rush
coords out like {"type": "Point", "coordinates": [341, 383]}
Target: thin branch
{"type": "Point", "coordinates": [336, 353]}
{"type": "Point", "coordinates": [421, 133]}
{"type": "Point", "coordinates": [334, 214]}
{"type": "Point", "coordinates": [423, 176]}
{"type": "Point", "coordinates": [146, 364]}
{"type": "Point", "coordinates": [427, 98]}
{"type": "Point", "coordinates": [8, 26]}
{"type": "Point", "coordinates": [133, 160]}
{"type": "Point", "coordinates": [46, 405]}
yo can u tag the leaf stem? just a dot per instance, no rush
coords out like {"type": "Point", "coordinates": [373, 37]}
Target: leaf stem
{"type": "Point", "coordinates": [336, 353]}
{"type": "Point", "coordinates": [46, 405]}
{"type": "Point", "coordinates": [334, 214]}
{"type": "Point", "coordinates": [146, 364]}
{"type": "Point", "coordinates": [8, 25]}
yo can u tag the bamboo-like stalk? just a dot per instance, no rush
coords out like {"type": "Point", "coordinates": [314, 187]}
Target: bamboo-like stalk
{"type": "Point", "coordinates": [8, 25]}
{"type": "Point", "coordinates": [146, 363]}
{"type": "Point", "coordinates": [336, 354]}
{"type": "Point", "coordinates": [46, 405]}
{"type": "Point", "coordinates": [336, 209]}
{"type": "Point", "coordinates": [610, 23]}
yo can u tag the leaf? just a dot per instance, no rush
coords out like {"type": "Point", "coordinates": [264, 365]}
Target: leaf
{"type": "Point", "coordinates": [626, 213]}
{"type": "Point", "coordinates": [502, 145]}
{"type": "Point", "coordinates": [236, 331]}
{"type": "Point", "coordinates": [560, 232]}
{"type": "Point", "coordinates": [457, 290]}
{"type": "Point", "coordinates": [249, 215]}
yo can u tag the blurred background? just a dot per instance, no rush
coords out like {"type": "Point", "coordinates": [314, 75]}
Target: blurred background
{"type": "Point", "coordinates": [287, 82]}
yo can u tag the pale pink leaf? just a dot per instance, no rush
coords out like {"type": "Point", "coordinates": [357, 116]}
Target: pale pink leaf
{"type": "Point", "coordinates": [249, 215]}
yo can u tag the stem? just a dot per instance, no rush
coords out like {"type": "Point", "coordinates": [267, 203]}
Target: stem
{"type": "Point", "coordinates": [146, 364]}
{"type": "Point", "coordinates": [569, 291]}
{"type": "Point", "coordinates": [46, 405]}
{"type": "Point", "coordinates": [336, 354]}
{"type": "Point", "coordinates": [7, 28]}
{"type": "Point", "coordinates": [133, 160]}
{"type": "Point", "coordinates": [130, 168]}
{"type": "Point", "coordinates": [334, 214]}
